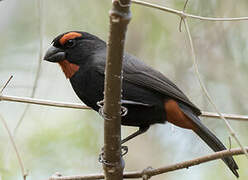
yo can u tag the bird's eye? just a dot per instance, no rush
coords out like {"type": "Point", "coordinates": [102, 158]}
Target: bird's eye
{"type": "Point", "coordinates": [70, 43]}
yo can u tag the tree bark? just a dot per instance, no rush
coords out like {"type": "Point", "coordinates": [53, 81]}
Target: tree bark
{"type": "Point", "coordinates": [113, 163]}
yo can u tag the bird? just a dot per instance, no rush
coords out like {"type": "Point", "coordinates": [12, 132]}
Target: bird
{"type": "Point", "coordinates": [149, 96]}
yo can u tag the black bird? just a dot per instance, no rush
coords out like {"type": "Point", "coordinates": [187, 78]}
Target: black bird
{"type": "Point", "coordinates": [148, 95]}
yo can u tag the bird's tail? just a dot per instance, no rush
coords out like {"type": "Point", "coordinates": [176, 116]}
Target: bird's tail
{"type": "Point", "coordinates": [212, 141]}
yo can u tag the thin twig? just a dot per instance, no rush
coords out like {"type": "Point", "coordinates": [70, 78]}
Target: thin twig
{"type": "Point", "coordinates": [181, 20]}
{"type": "Point", "coordinates": [15, 148]}
{"type": "Point", "coordinates": [42, 102]}
{"type": "Point", "coordinates": [182, 14]}
{"type": "Point", "coordinates": [80, 106]}
{"type": "Point", "coordinates": [6, 84]}
{"type": "Point", "coordinates": [78, 177]}
{"type": "Point", "coordinates": [205, 91]}
{"type": "Point", "coordinates": [227, 116]}
{"type": "Point", "coordinates": [161, 170]}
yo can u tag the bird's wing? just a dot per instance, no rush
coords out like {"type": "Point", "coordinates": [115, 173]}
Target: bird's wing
{"type": "Point", "coordinates": [136, 72]}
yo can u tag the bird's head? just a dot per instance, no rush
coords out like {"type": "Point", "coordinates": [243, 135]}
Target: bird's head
{"type": "Point", "coordinates": [71, 50]}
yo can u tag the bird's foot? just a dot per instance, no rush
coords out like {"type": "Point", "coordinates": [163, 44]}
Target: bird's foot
{"type": "Point", "coordinates": [124, 151]}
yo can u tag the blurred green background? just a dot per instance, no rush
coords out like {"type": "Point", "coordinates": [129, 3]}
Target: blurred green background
{"type": "Point", "coordinates": [67, 140]}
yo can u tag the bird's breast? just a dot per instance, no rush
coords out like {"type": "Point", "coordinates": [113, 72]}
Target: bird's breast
{"type": "Point", "coordinates": [88, 85]}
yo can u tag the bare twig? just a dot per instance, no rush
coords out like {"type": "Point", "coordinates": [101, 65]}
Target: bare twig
{"type": "Point", "coordinates": [181, 20]}
{"type": "Point", "coordinates": [6, 84]}
{"type": "Point", "coordinates": [42, 102]}
{"type": "Point", "coordinates": [15, 148]}
{"type": "Point", "coordinates": [80, 106]}
{"type": "Point", "coordinates": [161, 170]}
{"type": "Point", "coordinates": [227, 116]}
{"type": "Point", "coordinates": [183, 14]}
{"type": "Point", "coordinates": [204, 89]}
{"type": "Point", "coordinates": [119, 18]}
{"type": "Point", "coordinates": [79, 177]}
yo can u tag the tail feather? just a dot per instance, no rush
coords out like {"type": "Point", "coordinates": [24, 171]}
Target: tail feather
{"type": "Point", "coordinates": [212, 141]}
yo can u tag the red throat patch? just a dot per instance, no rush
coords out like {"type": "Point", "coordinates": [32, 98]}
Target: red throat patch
{"type": "Point", "coordinates": [70, 35]}
{"type": "Point", "coordinates": [68, 68]}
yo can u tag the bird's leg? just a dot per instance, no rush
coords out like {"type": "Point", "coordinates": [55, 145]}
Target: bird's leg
{"type": "Point", "coordinates": [140, 131]}
{"type": "Point", "coordinates": [124, 149]}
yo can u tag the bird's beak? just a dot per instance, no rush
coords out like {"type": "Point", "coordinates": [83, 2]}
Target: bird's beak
{"type": "Point", "coordinates": [54, 54]}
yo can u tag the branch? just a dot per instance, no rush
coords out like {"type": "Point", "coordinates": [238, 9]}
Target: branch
{"type": "Point", "coordinates": [80, 106]}
{"type": "Point", "coordinates": [161, 170]}
{"type": "Point", "coordinates": [227, 116]}
{"type": "Point", "coordinates": [6, 84]}
{"type": "Point", "coordinates": [112, 161]}
{"type": "Point", "coordinates": [42, 102]}
{"type": "Point", "coordinates": [184, 15]}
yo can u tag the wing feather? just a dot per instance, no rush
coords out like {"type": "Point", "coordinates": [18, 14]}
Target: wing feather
{"type": "Point", "coordinates": [138, 73]}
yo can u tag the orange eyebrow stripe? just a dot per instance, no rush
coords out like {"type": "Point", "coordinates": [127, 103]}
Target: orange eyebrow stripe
{"type": "Point", "coordinates": [68, 36]}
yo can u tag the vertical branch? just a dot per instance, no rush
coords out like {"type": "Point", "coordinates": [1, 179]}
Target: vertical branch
{"type": "Point", "coordinates": [119, 19]}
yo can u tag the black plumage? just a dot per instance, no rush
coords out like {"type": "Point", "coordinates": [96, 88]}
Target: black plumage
{"type": "Point", "coordinates": [148, 95]}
